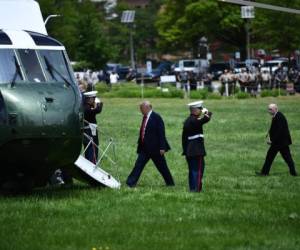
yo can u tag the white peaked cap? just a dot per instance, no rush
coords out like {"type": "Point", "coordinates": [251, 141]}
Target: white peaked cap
{"type": "Point", "coordinates": [90, 93]}
{"type": "Point", "coordinates": [197, 104]}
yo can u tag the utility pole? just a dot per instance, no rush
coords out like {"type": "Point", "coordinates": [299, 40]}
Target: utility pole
{"type": "Point", "coordinates": [247, 12]}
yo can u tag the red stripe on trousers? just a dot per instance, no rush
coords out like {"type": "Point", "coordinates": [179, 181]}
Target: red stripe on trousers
{"type": "Point", "coordinates": [200, 166]}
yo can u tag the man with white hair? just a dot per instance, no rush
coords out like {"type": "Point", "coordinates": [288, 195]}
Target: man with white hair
{"type": "Point", "coordinates": [152, 144]}
{"type": "Point", "coordinates": [279, 141]}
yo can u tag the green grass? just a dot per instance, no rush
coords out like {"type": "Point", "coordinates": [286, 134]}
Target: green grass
{"type": "Point", "coordinates": [236, 210]}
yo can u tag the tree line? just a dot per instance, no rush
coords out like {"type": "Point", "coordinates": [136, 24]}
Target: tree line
{"type": "Point", "coordinates": [166, 26]}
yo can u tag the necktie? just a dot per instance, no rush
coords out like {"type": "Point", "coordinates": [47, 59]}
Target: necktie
{"type": "Point", "coordinates": [142, 130]}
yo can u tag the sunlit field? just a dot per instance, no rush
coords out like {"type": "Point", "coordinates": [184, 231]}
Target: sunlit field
{"type": "Point", "coordinates": [236, 210]}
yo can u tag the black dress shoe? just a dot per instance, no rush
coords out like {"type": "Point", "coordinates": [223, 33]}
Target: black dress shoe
{"type": "Point", "coordinates": [260, 173]}
{"type": "Point", "coordinates": [294, 174]}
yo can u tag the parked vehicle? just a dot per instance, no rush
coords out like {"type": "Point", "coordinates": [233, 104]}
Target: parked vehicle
{"type": "Point", "coordinates": [217, 69]}
{"type": "Point", "coordinates": [164, 68]}
{"type": "Point", "coordinates": [118, 68]}
{"type": "Point", "coordinates": [273, 65]}
{"type": "Point", "coordinates": [194, 65]}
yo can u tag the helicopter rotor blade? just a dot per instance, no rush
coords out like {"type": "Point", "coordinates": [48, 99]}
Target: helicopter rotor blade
{"type": "Point", "coordinates": [263, 6]}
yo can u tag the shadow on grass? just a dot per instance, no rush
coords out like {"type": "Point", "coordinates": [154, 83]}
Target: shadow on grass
{"type": "Point", "coordinates": [51, 192]}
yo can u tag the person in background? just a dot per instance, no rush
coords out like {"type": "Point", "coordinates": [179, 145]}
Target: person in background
{"type": "Point", "coordinates": [114, 78]}
{"type": "Point", "coordinates": [279, 139]}
{"type": "Point", "coordinates": [193, 144]}
{"type": "Point", "coordinates": [152, 144]}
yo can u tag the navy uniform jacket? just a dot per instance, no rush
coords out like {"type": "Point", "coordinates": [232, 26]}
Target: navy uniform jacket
{"type": "Point", "coordinates": [193, 126]}
{"type": "Point", "coordinates": [154, 137]}
{"type": "Point", "coordinates": [90, 112]}
{"type": "Point", "coordinates": [279, 131]}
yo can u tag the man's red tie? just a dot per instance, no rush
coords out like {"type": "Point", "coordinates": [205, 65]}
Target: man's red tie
{"type": "Point", "coordinates": [142, 130]}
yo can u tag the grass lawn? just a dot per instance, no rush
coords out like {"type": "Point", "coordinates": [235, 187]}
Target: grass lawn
{"type": "Point", "coordinates": [236, 210]}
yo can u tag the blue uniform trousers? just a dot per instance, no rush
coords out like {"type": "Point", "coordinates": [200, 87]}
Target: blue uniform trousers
{"type": "Point", "coordinates": [91, 152]}
{"type": "Point", "coordinates": [196, 170]}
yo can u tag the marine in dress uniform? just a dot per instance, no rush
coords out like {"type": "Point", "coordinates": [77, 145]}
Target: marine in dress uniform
{"type": "Point", "coordinates": [152, 144]}
{"type": "Point", "coordinates": [279, 141]}
{"type": "Point", "coordinates": [193, 144]}
{"type": "Point", "coordinates": [92, 107]}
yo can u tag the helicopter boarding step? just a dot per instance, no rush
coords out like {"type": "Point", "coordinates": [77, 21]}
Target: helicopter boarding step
{"type": "Point", "coordinates": [97, 173]}
{"type": "Point", "coordinates": [94, 170]}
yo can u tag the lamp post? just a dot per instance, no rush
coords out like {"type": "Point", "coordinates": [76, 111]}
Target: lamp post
{"type": "Point", "coordinates": [128, 17]}
{"type": "Point", "coordinates": [247, 12]}
{"type": "Point", "coordinates": [49, 17]}
{"type": "Point", "coordinates": [203, 47]}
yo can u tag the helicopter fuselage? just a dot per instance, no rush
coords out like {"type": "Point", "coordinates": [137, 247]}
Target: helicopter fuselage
{"type": "Point", "coordinates": [40, 108]}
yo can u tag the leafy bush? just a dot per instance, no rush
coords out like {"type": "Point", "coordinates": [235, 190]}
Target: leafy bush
{"type": "Point", "coordinates": [81, 66]}
{"type": "Point", "coordinates": [199, 94]}
{"type": "Point", "coordinates": [214, 96]}
{"type": "Point", "coordinates": [273, 92]}
{"type": "Point", "coordinates": [128, 90]}
{"type": "Point", "coordinates": [242, 95]}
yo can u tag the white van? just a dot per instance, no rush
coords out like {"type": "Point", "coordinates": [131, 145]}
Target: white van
{"type": "Point", "coordinates": [194, 65]}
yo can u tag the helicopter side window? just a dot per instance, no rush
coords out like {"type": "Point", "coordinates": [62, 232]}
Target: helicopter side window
{"type": "Point", "coordinates": [31, 65]}
{"type": "Point", "coordinates": [9, 67]}
{"type": "Point", "coordinates": [2, 110]}
{"type": "Point", "coordinates": [55, 65]}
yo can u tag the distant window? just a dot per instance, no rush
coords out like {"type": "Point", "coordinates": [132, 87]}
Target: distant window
{"type": "Point", "coordinates": [31, 65]}
{"type": "Point", "coordinates": [4, 39]}
{"type": "Point", "coordinates": [8, 67]}
{"type": "Point", "coordinates": [189, 64]}
{"type": "Point", "coordinates": [42, 40]}
{"type": "Point", "coordinates": [55, 65]}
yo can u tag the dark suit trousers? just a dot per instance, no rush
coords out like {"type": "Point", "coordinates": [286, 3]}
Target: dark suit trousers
{"type": "Point", "coordinates": [160, 163]}
{"type": "Point", "coordinates": [286, 155]}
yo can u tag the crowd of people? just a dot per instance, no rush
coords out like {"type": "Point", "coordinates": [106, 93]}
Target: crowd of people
{"type": "Point", "coordinates": [255, 80]}
{"type": "Point", "coordinates": [87, 80]}
{"type": "Point", "coordinates": [252, 80]}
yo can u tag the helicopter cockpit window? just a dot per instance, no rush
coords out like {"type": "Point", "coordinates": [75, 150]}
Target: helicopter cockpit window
{"type": "Point", "coordinates": [55, 65]}
{"type": "Point", "coordinates": [31, 65]}
{"type": "Point", "coordinates": [9, 67]}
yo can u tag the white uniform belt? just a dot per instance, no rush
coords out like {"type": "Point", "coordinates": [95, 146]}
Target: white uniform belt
{"type": "Point", "coordinates": [195, 136]}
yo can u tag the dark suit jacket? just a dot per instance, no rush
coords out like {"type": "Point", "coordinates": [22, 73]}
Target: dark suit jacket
{"type": "Point", "coordinates": [279, 131]}
{"type": "Point", "coordinates": [154, 138]}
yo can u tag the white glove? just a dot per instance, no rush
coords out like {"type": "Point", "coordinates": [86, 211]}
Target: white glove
{"type": "Point", "coordinates": [204, 110]}
{"type": "Point", "coordinates": [97, 100]}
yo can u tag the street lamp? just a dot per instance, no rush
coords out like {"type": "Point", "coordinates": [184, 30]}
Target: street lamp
{"type": "Point", "coordinates": [203, 47]}
{"type": "Point", "coordinates": [128, 17]}
{"type": "Point", "coordinates": [50, 16]}
{"type": "Point", "coordinates": [247, 12]}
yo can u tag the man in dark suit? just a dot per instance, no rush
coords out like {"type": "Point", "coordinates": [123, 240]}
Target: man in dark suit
{"type": "Point", "coordinates": [152, 144]}
{"type": "Point", "coordinates": [193, 144]}
{"type": "Point", "coordinates": [279, 141]}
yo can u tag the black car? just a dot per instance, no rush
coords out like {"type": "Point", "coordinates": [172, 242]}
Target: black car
{"type": "Point", "coordinates": [164, 68]}
{"type": "Point", "coordinates": [217, 69]}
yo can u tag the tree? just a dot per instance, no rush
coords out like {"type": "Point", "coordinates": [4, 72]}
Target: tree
{"type": "Point", "coordinates": [279, 29]}
{"type": "Point", "coordinates": [182, 23]}
{"type": "Point", "coordinates": [81, 28]}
